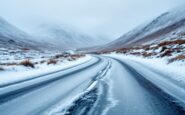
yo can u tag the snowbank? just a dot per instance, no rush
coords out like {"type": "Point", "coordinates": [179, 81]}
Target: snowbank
{"type": "Point", "coordinates": [14, 76]}
{"type": "Point", "coordinates": [174, 70]}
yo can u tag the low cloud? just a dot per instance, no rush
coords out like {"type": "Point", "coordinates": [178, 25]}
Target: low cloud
{"type": "Point", "coordinates": [110, 18]}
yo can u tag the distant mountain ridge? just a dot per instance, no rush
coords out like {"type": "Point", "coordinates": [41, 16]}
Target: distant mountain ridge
{"type": "Point", "coordinates": [50, 38]}
{"type": "Point", "coordinates": [167, 26]}
{"type": "Point", "coordinates": [67, 38]}
{"type": "Point", "coordinates": [10, 36]}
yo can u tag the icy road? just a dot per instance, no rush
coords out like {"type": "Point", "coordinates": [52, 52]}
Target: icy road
{"type": "Point", "coordinates": [101, 86]}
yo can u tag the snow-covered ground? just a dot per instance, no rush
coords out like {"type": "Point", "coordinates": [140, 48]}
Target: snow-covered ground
{"type": "Point", "coordinates": [173, 70]}
{"type": "Point", "coordinates": [13, 70]}
{"type": "Point", "coordinates": [168, 50]}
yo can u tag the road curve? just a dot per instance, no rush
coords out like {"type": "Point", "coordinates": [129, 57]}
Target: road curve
{"type": "Point", "coordinates": [36, 95]}
{"type": "Point", "coordinates": [137, 95]}
{"type": "Point", "coordinates": [104, 85]}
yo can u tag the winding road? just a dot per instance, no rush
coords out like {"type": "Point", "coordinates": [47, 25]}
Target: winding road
{"type": "Point", "coordinates": [102, 86]}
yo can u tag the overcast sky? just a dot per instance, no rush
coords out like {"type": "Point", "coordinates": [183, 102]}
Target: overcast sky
{"type": "Point", "coordinates": [111, 18]}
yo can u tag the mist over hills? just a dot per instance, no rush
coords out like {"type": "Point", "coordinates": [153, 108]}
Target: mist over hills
{"type": "Point", "coordinates": [51, 37]}
{"type": "Point", "coordinates": [168, 26]}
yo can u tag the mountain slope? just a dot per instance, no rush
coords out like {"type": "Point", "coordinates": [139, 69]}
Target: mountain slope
{"type": "Point", "coordinates": [64, 38]}
{"type": "Point", "coordinates": [11, 36]}
{"type": "Point", "coordinates": [51, 37]}
{"type": "Point", "coordinates": [167, 26]}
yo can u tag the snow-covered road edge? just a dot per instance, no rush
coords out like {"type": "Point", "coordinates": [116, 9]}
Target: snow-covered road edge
{"type": "Point", "coordinates": [93, 92]}
{"type": "Point", "coordinates": [164, 81]}
{"type": "Point", "coordinates": [174, 70]}
{"type": "Point", "coordinates": [8, 77]}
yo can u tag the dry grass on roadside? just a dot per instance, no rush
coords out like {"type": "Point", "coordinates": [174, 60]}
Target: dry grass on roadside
{"type": "Point", "coordinates": [166, 43]}
{"type": "Point", "coordinates": [52, 61]}
{"type": "Point", "coordinates": [27, 63]}
{"type": "Point", "coordinates": [25, 49]}
{"type": "Point", "coordinates": [177, 58]}
{"type": "Point", "coordinates": [167, 52]}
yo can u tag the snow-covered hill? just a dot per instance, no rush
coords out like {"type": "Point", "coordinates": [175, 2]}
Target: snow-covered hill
{"type": "Point", "coordinates": [169, 25]}
{"type": "Point", "coordinates": [51, 37]}
{"type": "Point", "coordinates": [65, 38]}
{"type": "Point", "coordinates": [11, 36]}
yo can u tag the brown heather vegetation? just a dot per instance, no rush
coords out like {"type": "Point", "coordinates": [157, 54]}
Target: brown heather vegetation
{"type": "Point", "coordinates": [167, 49]}
{"type": "Point", "coordinates": [167, 53]}
{"type": "Point", "coordinates": [145, 54]}
{"type": "Point", "coordinates": [69, 57]}
{"type": "Point", "coordinates": [165, 43]}
{"type": "Point", "coordinates": [77, 56]}
{"type": "Point", "coordinates": [180, 57]}
{"type": "Point", "coordinates": [52, 61]}
{"type": "Point", "coordinates": [27, 63]}
{"type": "Point", "coordinates": [25, 49]}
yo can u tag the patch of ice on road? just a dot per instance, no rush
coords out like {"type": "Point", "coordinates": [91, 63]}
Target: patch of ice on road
{"type": "Point", "coordinates": [86, 97]}
{"type": "Point", "coordinates": [113, 101]}
{"type": "Point", "coordinates": [7, 77]}
{"type": "Point", "coordinates": [92, 86]}
{"type": "Point", "coordinates": [62, 107]}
